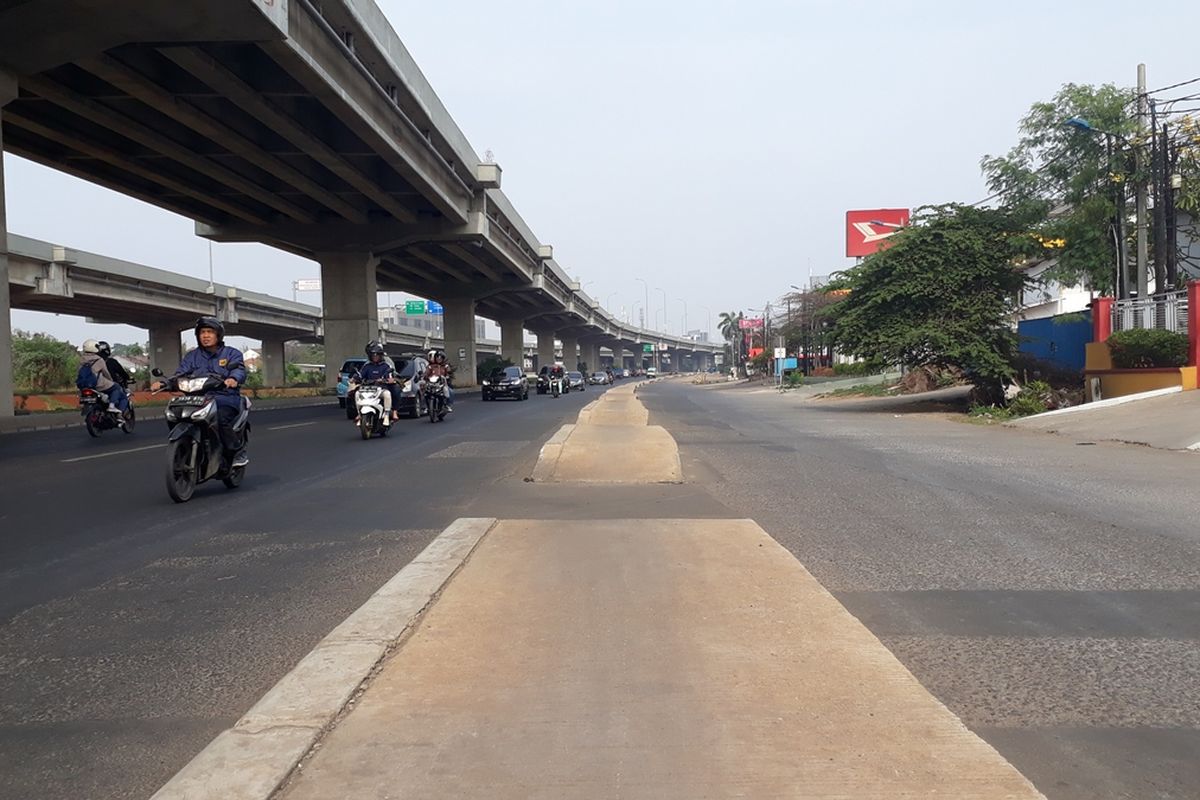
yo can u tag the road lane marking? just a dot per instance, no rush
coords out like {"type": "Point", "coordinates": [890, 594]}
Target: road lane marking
{"type": "Point", "coordinates": [295, 425]}
{"type": "Point", "coordinates": [113, 453]}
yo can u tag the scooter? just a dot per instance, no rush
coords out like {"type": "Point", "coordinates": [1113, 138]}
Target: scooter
{"type": "Point", "coordinates": [435, 397]}
{"type": "Point", "coordinates": [99, 414]}
{"type": "Point", "coordinates": [368, 400]}
{"type": "Point", "coordinates": [556, 386]}
{"type": "Point", "coordinates": [194, 451]}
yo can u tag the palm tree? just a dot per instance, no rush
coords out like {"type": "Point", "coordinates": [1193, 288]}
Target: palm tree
{"type": "Point", "coordinates": [728, 324]}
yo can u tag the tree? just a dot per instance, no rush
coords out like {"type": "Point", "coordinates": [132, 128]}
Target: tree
{"type": "Point", "coordinates": [728, 324]}
{"type": "Point", "coordinates": [128, 350]}
{"type": "Point", "coordinates": [942, 295]}
{"type": "Point", "coordinates": [1075, 178]}
{"type": "Point", "coordinates": [42, 363]}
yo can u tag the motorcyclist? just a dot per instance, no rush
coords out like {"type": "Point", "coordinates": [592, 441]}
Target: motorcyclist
{"type": "Point", "coordinates": [438, 365]}
{"type": "Point", "coordinates": [118, 373]}
{"type": "Point", "coordinates": [94, 361]}
{"type": "Point", "coordinates": [213, 357]}
{"type": "Point", "coordinates": [377, 369]}
{"type": "Point", "coordinates": [558, 372]}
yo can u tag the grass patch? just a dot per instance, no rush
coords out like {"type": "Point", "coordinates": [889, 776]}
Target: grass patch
{"type": "Point", "coordinates": [862, 390]}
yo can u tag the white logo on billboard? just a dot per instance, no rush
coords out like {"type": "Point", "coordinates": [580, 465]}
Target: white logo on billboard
{"type": "Point", "coordinates": [869, 234]}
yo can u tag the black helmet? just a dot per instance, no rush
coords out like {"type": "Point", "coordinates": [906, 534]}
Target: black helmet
{"type": "Point", "coordinates": [215, 324]}
{"type": "Point", "coordinates": [103, 350]}
{"type": "Point", "coordinates": [374, 348]}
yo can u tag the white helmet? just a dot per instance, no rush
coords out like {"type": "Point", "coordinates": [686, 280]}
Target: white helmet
{"type": "Point", "coordinates": [91, 346]}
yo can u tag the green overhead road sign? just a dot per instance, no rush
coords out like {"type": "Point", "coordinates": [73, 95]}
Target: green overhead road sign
{"type": "Point", "coordinates": [414, 306]}
{"type": "Point", "coordinates": [647, 348]}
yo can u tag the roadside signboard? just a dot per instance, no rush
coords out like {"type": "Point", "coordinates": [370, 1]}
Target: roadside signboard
{"type": "Point", "coordinates": [867, 230]}
{"type": "Point", "coordinates": [647, 348]}
{"type": "Point", "coordinates": [433, 307]}
{"type": "Point", "coordinates": [414, 306]}
{"type": "Point", "coordinates": [783, 364]}
{"type": "Point", "coordinates": [780, 352]}
{"type": "Point", "coordinates": [750, 323]}
{"type": "Point", "coordinates": [307, 285]}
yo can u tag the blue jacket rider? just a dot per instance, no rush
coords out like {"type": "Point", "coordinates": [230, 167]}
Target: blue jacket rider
{"type": "Point", "coordinates": [213, 357]}
{"type": "Point", "coordinates": [376, 369]}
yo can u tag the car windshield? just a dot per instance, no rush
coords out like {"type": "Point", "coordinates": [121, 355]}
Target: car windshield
{"type": "Point", "coordinates": [406, 367]}
{"type": "Point", "coordinates": [575, 375]}
{"type": "Point", "coordinates": [352, 364]}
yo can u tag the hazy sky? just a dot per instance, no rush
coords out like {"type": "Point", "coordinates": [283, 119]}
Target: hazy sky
{"type": "Point", "coordinates": [711, 148]}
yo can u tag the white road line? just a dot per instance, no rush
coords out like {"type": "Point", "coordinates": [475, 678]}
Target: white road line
{"type": "Point", "coordinates": [295, 425]}
{"type": "Point", "coordinates": [113, 453]}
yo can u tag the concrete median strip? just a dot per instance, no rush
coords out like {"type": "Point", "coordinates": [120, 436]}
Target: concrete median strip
{"type": "Point", "coordinates": [647, 659]}
{"type": "Point", "coordinates": [611, 442]}
{"type": "Point", "coordinates": [252, 759]}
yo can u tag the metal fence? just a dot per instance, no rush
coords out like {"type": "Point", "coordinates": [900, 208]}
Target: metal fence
{"type": "Point", "coordinates": [1167, 311]}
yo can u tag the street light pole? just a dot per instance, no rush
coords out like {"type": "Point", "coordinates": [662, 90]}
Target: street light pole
{"type": "Point", "coordinates": [666, 322]}
{"type": "Point", "coordinates": [683, 331]}
{"type": "Point", "coordinates": [646, 307]}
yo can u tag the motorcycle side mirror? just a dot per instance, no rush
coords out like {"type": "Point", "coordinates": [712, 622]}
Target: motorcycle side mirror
{"type": "Point", "coordinates": [156, 372]}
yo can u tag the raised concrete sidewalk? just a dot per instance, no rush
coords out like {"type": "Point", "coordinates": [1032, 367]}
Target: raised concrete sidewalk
{"type": "Point", "coordinates": [1170, 422]}
{"type": "Point", "coordinates": [647, 659]}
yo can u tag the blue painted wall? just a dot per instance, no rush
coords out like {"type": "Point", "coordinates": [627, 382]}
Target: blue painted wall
{"type": "Point", "coordinates": [1059, 340]}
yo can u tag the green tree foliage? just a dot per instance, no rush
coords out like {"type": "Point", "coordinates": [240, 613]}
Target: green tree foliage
{"type": "Point", "coordinates": [128, 350]}
{"type": "Point", "coordinates": [42, 363]}
{"type": "Point", "coordinates": [1072, 177]}
{"type": "Point", "coordinates": [728, 324]}
{"type": "Point", "coordinates": [942, 295]}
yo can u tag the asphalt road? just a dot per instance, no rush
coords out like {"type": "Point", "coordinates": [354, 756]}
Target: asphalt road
{"type": "Point", "coordinates": [133, 630]}
{"type": "Point", "coordinates": [1047, 592]}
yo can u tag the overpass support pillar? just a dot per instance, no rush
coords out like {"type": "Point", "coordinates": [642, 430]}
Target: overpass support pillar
{"type": "Point", "coordinates": [8, 92]}
{"type": "Point", "coordinates": [351, 308]}
{"type": "Point", "coordinates": [589, 354]}
{"type": "Point", "coordinates": [570, 352]}
{"type": "Point", "coordinates": [458, 326]}
{"type": "Point", "coordinates": [166, 348]}
{"type": "Point", "coordinates": [545, 348]}
{"type": "Point", "coordinates": [271, 362]}
{"type": "Point", "coordinates": [512, 341]}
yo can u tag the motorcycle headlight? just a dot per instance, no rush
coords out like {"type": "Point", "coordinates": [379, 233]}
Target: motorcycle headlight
{"type": "Point", "coordinates": [408, 386]}
{"type": "Point", "coordinates": [192, 384]}
{"type": "Point", "coordinates": [487, 383]}
{"type": "Point", "coordinates": [171, 414]}
{"type": "Point", "coordinates": [204, 412]}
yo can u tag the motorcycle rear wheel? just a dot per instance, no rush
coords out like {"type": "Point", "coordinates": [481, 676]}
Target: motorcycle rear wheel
{"type": "Point", "coordinates": [365, 427]}
{"type": "Point", "coordinates": [181, 478]}
{"type": "Point", "coordinates": [92, 429]}
{"type": "Point", "coordinates": [130, 421]}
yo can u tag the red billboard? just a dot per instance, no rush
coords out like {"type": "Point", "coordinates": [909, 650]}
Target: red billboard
{"type": "Point", "coordinates": [868, 230]}
{"type": "Point", "coordinates": [750, 323]}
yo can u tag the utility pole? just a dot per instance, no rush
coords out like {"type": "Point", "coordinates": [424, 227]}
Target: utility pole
{"type": "Point", "coordinates": [1142, 200]}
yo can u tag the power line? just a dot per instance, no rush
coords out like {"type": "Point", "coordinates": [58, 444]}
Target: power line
{"type": "Point", "coordinates": [1174, 86]}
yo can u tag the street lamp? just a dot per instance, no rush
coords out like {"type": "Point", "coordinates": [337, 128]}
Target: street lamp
{"type": "Point", "coordinates": [684, 329]}
{"type": "Point", "coordinates": [608, 302]}
{"type": "Point", "coordinates": [666, 322]}
{"type": "Point", "coordinates": [708, 323]}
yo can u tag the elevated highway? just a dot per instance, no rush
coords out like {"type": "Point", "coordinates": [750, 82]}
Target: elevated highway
{"type": "Point", "coordinates": [303, 126]}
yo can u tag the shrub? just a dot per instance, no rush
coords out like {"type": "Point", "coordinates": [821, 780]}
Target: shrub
{"type": "Point", "coordinates": [852, 369]}
{"type": "Point", "coordinates": [1023, 405]}
{"type": "Point", "coordinates": [1142, 348]}
{"type": "Point", "coordinates": [793, 379]}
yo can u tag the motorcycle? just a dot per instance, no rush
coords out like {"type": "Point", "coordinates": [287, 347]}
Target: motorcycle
{"type": "Point", "coordinates": [194, 451]}
{"type": "Point", "coordinates": [99, 414]}
{"type": "Point", "coordinates": [435, 397]}
{"type": "Point", "coordinates": [556, 386]}
{"type": "Point", "coordinates": [368, 401]}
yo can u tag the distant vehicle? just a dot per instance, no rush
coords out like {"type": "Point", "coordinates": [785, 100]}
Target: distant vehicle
{"type": "Point", "coordinates": [506, 382]}
{"type": "Point", "coordinates": [408, 367]}
{"type": "Point", "coordinates": [543, 382]}
{"type": "Point", "coordinates": [575, 380]}
{"type": "Point", "coordinates": [531, 378]}
{"type": "Point", "coordinates": [598, 378]}
{"type": "Point", "coordinates": [626, 373]}
{"type": "Point", "coordinates": [651, 372]}
{"type": "Point", "coordinates": [349, 368]}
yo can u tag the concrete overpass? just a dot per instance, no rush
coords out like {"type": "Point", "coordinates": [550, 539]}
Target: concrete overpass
{"type": "Point", "coordinates": [307, 128]}
{"type": "Point", "coordinates": [60, 280]}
